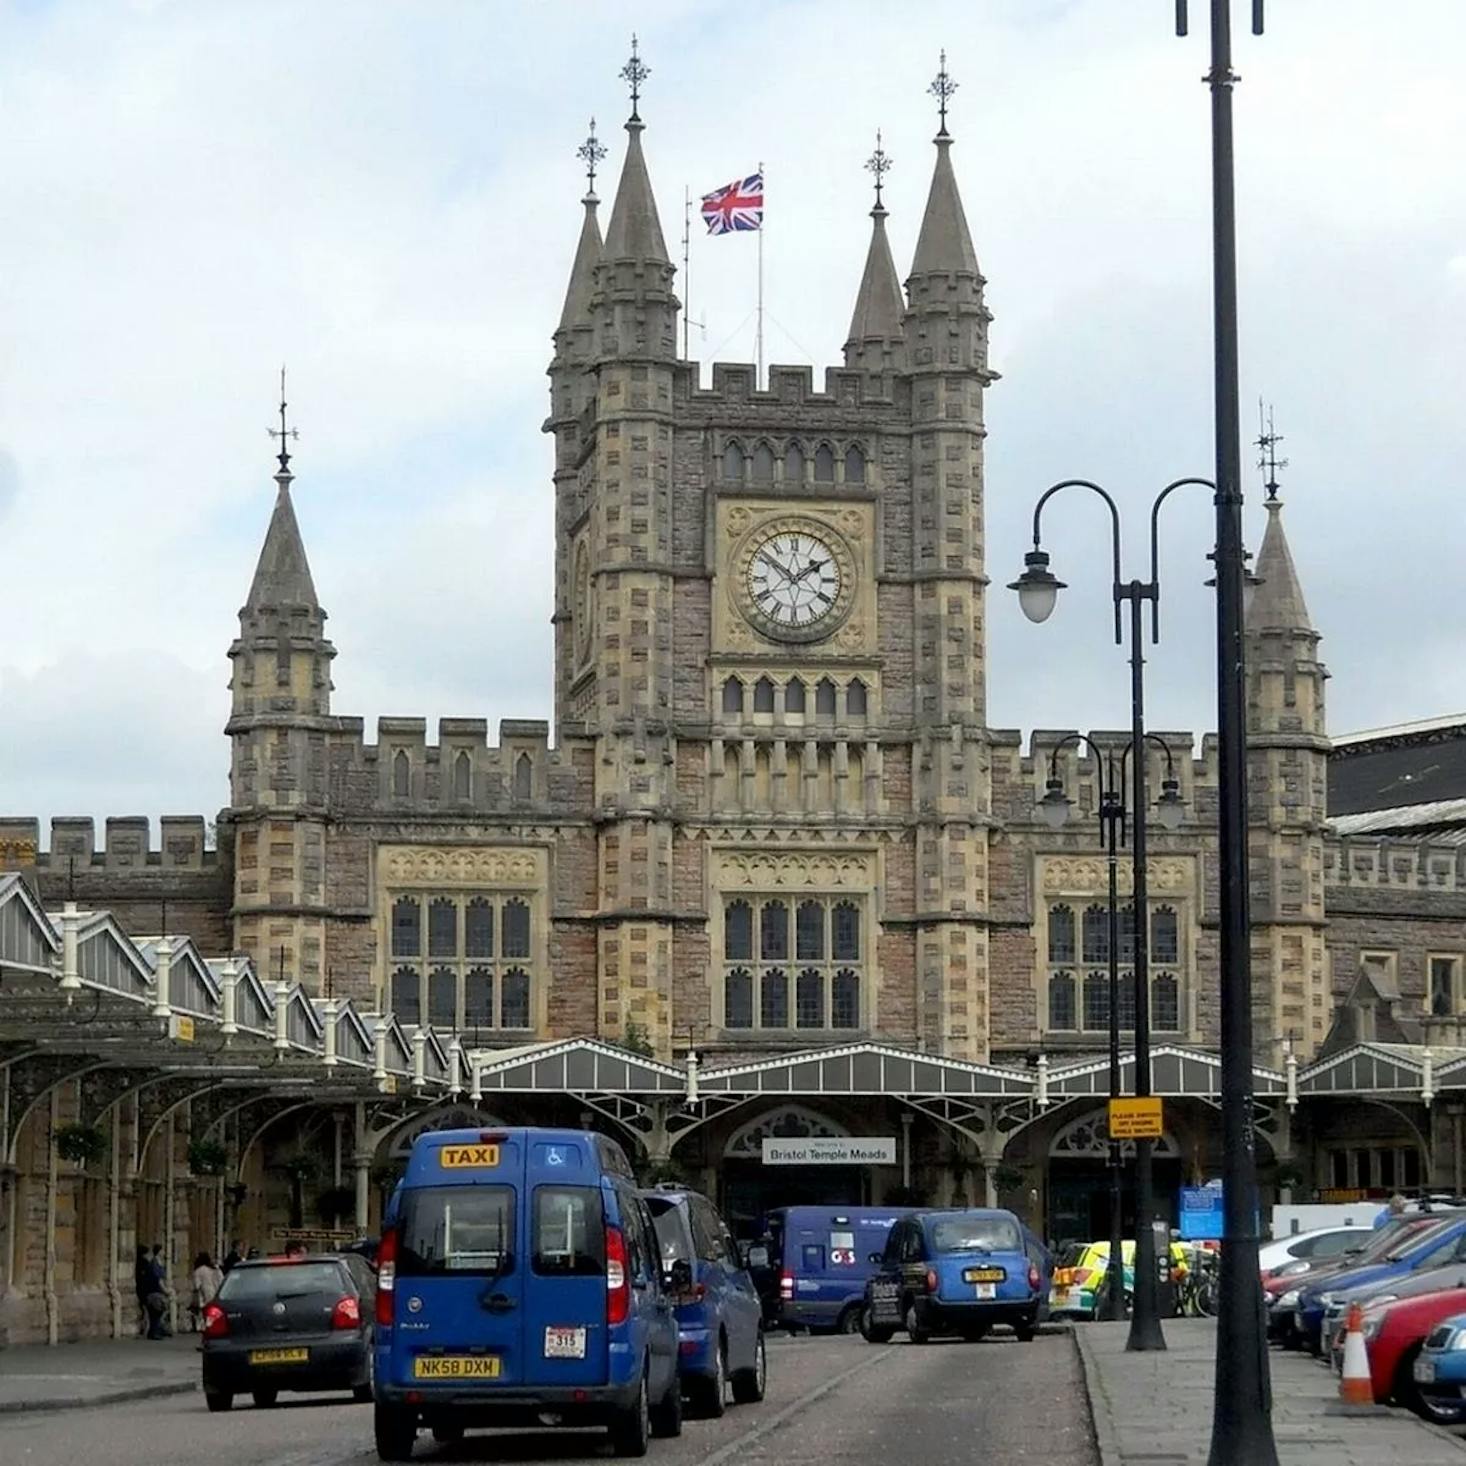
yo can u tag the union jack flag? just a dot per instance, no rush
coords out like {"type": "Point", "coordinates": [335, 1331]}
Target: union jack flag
{"type": "Point", "coordinates": [736, 207]}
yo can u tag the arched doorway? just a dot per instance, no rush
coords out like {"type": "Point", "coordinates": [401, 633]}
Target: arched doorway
{"type": "Point", "coordinates": [1079, 1180]}
{"type": "Point", "coordinates": [748, 1189]}
{"type": "Point", "coordinates": [397, 1146]}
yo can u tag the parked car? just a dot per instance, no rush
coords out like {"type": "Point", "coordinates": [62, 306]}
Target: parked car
{"type": "Point", "coordinates": [1395, 1331]}
{"type": "Point", "coordinates": [1411, 1285]}
{"type": "Point", "coordinates": [1439, 1370]}
{"type": "Point", "coordinates": [1429, 1245]}
{"type": "Point", "coordinates": [519, 1284]}
{"type": "Point", "coordinates": [1308, 1247]}
{"type": "Point", "coordinates": [720, 1335]}
{"type": "Point", "coordinates": [821, 1257]}
{"type": "Point", "coordinates": [289, 1323]}
{"type": "Point", "coordinates": [1081, 1274]}
{"type": "Point", "coordinates": [958, 1272]}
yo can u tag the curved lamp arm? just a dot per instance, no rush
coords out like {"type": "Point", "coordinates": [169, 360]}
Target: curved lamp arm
{"type": "Point", "coordinates": [1155, 580]}
{"type": "Point", "coordinates": [1084, 483]}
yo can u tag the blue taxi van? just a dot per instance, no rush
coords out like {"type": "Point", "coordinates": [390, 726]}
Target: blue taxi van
{"type": "Point", "coordinates": [519, 1283]}
{"type": "Point", "coordinates": [958, 1272]}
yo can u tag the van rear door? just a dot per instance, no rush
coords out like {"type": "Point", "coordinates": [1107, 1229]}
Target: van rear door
{"type": "Point", "coordinates": [461, 1266]}
{"type": "Point", "coordinates": [565, 1313]}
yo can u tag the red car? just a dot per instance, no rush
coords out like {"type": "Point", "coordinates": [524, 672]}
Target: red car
{"type": "Point", "coordinates": [1393, 1334]}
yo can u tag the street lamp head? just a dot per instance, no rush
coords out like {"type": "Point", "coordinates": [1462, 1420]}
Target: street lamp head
{"type": "Point", "coordinates": [1170, 807]}
{"type": "Point", "coordinates": [1054, 806]}
{"type": "Point", "coordinates": [1037, 588]}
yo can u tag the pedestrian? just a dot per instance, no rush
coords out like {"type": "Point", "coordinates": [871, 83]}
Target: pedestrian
{"type": "Point", "coordinates": [207, 1280]}
{"type": "Point", "coordinates": [142, 1280]}
{"type": "Point", "coordinates": [234, 1256]}
{"type": "Point", "coordinates": [295, 1248]}
{"type": "Point", "coordinates": [152, 1287]}
{"type": "Point", "coordinates": [1395, 1208]}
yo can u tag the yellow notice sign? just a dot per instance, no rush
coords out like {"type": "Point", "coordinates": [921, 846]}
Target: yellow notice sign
{"type": "Point", "coordinates": [185, 1030]}
{"type": "Point", "coordinates": [461, 1157]}
{"type": "Point", "coordinates": [1135, 1119]}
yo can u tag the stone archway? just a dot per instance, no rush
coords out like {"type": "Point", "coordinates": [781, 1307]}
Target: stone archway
{"type": "Point", "coordinates": [1086, 1137]}
{"type": "Point", "coordinates": [785, 1123]}
{"type": "Point", "coordinates": [396, 1145]}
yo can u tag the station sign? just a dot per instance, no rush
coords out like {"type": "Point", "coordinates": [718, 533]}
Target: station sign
{"type": "Point", "coordinates": [831, 1150]}
{"type": "Point", "coordinates": [1136, 1118]}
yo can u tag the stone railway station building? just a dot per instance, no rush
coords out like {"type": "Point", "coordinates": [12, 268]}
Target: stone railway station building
{"type": "Point", "coordinates": [775, 875]}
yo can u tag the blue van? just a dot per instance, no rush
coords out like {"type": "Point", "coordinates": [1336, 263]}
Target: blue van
{"type": "Point", "coordinates": [821, 1256]}
{"type": "Point", "coordinates": [519, 1283]}
{"type": "Point", "coordinates": [958, 1272]}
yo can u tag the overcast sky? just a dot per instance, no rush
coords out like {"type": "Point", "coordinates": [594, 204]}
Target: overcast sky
{"type": "Point", "coordinates": [385, 196]}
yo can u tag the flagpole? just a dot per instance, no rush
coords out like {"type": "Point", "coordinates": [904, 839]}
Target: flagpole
{"type": "Point", "coordinates": [759, 330]}
{"type": "Point", "coordinates": [686, 265]}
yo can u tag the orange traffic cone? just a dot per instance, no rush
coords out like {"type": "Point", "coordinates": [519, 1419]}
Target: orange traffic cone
{"type": "Point", "coordinates": [1355, 1385]}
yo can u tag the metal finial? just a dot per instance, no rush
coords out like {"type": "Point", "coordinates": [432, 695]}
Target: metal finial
{"type": "Point", "coordinates": [941, 89]}
{"type": "Point", "coordinates": [1267, 443]}
{"type": "Point", "coordinates": [879, 163]}
{"type": "Point", "coordinates": [591, 151]}
{"type": "Point", "coordinates": [283, 432]}
{"type": "Point", "coordinates": [634, 73]}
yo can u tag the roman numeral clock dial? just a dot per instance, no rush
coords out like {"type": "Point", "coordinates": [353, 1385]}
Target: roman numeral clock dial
{"type": "Point", "coordinates": [795, 583]}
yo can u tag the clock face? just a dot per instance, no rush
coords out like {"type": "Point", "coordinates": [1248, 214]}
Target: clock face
{"type": "Point", "coordinates": [794, 580]}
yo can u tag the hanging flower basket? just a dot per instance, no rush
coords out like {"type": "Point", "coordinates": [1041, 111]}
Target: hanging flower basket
{"type": "Point", "coordinates": [207, 1158]}
{"type": "Point", "coordinates": [82, 1144]}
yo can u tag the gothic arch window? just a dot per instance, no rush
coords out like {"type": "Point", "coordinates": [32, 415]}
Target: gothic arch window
{"type": "Point", "coordinates": [478, 928]}
{"type": "Point", "coordinates": [1096, 935]}
{"type": "Point", "coordinates": [845, 999]}
{"type": "Point", "coordinates": [443, 927]}
{"type": "Point", "coordinates": [516, 932]}
{"type": "Point", "coordinates": [1165, 1003]}
{"type": "Point", "coordinates": [733, 462]}
{"type": "Point", "coordinates": [1061, 934]}
{"type": "Point", "coordinates": [763, 464]}
{"type": "Point", "coordinates": [738, 932]}
{"type": "Point", "coordinates": [763, 696]}
{"type": "Point", "coordinates": [773, 932]}
{"type": "Point", "coordinates": [790, 1122]}
{"type": "Point", "coordinates": [401, 775]}
{"type": "Point", "coordinates": [406, 927]}
{"type": "Point", "coordinates": [794, 696]}
{"type": "Point", "coordinates": [1165, 935]}
{"type": "Point", "coordinates": [462, 776]}
{"type": "Point", "coordinates": [478, 998]}
{"type": "Point", "coordinates": [1096, 1000]}
{"type": "Point", "coordinates": [855, 700]}
{"type": "Point", "coordinates": [1125, 995]}
{"type": "Point", "coordinates": [847, 931]}
{"type": "Point", "coordinates": [738, 999]}
{"type": "Point", "coordinates": [1061, 1001]}
{"type": "Point", "coordinates": [515, 1010]}
{"type": "Point", "coordinates": [824, 698]}
{"type": "Point", "coordinates": [809, 999]}
{"type": "Point", "coordinates": [773, 999]}
{"type": "Point", "coordinates": [523, 777]}
{"type": "Point", "coordinates": [732, 696]}
{"type": "Point", "coordinates": [854, 465]}
{"type": "Point", "coordinates": [794, 464]}
{"type": "Point", "coordinates": [824, 464]}
{"type": "Point", "coordinates": [406, 997]}
{"type": "Point", "coordinates": [809, 931]}
{"type": "Point", "coordinates": [1126, 915]}
{"type": "Point", "coordinates": [442, 998]}
{"type": "Point", "coordinates": [1088, 1135]}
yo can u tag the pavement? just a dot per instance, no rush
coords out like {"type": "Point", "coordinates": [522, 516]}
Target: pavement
{"type": "Point", "coordinates": [96, 1372]}
{"type": "Point", "coordinates": [1156, 1408]}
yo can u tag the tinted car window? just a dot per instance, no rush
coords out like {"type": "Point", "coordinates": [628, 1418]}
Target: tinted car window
{"type": "Point", "coordinates": [250, 1284]}
{"type": "Point", "coordinates": [673, 1235]}
{"type": "Point", "coordinates": [456, 1229]}
{"type": "Point", "coordinates": [569, 1232]}
{"type": "Point", "coordinates": [975, 1234]}
{"type": "Point", "coordinates": [1337, 1243]}
{"type": "Point", "coordinates": [707, 1230]}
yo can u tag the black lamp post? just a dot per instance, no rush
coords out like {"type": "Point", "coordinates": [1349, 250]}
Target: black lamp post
{"type": "Point", "coordinates": [1170, 810]}
{"type": "Point", "coordinates": [1038, 590]}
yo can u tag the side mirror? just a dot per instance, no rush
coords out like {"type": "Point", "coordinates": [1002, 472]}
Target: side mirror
{"type": "Point", "coordinates": [756, 1255]}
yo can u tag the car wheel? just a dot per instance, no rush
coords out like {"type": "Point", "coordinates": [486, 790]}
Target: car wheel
{"type": "Point", "coordinates": [218, 1400]}
{"type": "Point", "coordinates": [712, 1390]}
{"type": "Point", "coordinates": [872, 1332]}
{"type": "Point", "coordinates": [749, 1384]}
{"type": "Point", "coordinates": [849, 1320]}
{"type": "Point", "coordinates": [632, 1427]}
{"type": "Point", "coordinates": [395, 1431]}
{"type": "Point", "coordinates": [666, 1416]}
{"type": "Point", "coordinates": [264, 1399]}
{"type": "Point", "coordinates": [364, 1393]}
{"type": "Point", "coordinates": [914, 1331]}
{"type": "Point", "coordinates": [1409, 1394]}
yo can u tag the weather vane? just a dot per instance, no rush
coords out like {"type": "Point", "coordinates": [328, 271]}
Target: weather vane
{"type": "Point", "coordinates": [1267, 441]}
{"type": "Point", "coordinates": [283, 432]}
{"type": "Point", "coordinates": [880, 163]}
{"type": "Point", "coordinates": [591, 151]}
{"type": "Point", "coordinates": [635, 72]}
{"type": "Point", "coordinates": [941, 89]}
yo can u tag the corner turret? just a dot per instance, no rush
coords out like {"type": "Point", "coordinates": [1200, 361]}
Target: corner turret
{"type": "Point", "coordinates": [876, 341]}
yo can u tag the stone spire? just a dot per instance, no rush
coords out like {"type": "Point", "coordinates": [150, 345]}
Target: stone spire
{"type": "Point", "coordinates": [282, 579]}
{"type": "Point", "coordinates": [588, 251]}
{"type": "Point", "coordinates": [876, 334]}
{"type": "Point", "coordinates": [944, 246]}
{"type": "Point", "coordinates": [635, 231]}
{"type": "Point", "coordinates": [1278, 604]}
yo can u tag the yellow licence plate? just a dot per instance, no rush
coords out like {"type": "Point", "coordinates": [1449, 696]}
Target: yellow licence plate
{"type": "Point", "coordinates": [985, 1275]}
{"type": "Point", "coordinates": [455, 1366]}
{"type": "Point", "coordinates": [279, 1356]}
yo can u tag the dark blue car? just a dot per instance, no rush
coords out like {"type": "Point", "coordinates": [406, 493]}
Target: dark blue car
{"type": "Point", "coordinates": [519, 1284]}
{"type": "Point", "coordinates": [1429, 1246]}
{"type": "Point", "coordinates": [720, 1338]}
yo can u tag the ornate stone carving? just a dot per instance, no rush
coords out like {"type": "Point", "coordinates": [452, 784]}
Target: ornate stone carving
{"type": "Point", "coordinates": [767, 871]}
{"type": "Point", "coordinates": [446, 866]}
{"type": "Point", "coordinates": [1085, 875]}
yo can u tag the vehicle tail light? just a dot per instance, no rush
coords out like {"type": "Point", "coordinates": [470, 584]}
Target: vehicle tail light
{"type": "Point", "coordinates": [618, 1284]}
{"type": "Point", "coordinates": [1034, 1277]}
{"type": "Point", "coordinates": [387, 1277]}
{"type": "Point", "coordinates": [346, 1314]}
{"type": "Point", "coordinates": [931, 1280]}
{"type": "Point", "coordinates": [216, 1322]}
{"type": "Point", "coordinates": [786, 1285]}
